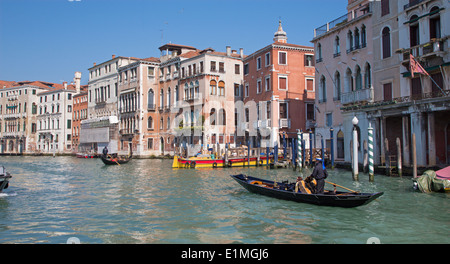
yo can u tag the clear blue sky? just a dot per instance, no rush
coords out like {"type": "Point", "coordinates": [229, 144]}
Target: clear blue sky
{"type": "Point", "coordinates": [49, 40]}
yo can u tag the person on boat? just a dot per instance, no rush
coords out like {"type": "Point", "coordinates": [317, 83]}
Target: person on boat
{"type": "Point", "coordinates": [105, 151]}
{"type": "Point", "coordinates": [320, 174]}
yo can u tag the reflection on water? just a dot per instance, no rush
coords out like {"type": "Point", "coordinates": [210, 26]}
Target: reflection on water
{"type": "Point", "coordinates": [146, 201]}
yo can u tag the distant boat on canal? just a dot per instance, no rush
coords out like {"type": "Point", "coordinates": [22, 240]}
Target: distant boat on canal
{"type": "Point", "coordinates": [4, 178]}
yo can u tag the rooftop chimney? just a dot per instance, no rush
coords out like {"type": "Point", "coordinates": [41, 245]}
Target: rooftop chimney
{"type": "Point", "coordinates": [113, 56]}
{"type": "Point", "coordinates": [241, 50]}
{"type": "Point", "coordinates": [77, 81]}
{"type": "Point", "coordinates": [228, 51]}
{"type": "Point", "coordinates": [65, 85]}
{"type": "Point", "coordinates": [95, 63]}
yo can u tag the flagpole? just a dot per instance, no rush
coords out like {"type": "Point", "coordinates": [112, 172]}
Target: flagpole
{"type": "Point", "coordinates": [423, 71]}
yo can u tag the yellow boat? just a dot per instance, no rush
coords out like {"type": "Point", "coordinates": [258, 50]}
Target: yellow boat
{"type": "Point", "coordinates": [208, 162]}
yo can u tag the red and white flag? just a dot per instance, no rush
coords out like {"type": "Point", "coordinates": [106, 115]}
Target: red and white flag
{"type": "Point", "coordinates": [415, 66]}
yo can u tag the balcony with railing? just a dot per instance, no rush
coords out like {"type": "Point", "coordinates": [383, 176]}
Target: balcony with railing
{"type": "Point", "coordinates": [342, 20]}
{"type": "Point", "coordinates": [436, 47]}
{"type": "Point", "coordinates": [413, 3]}
{"type": "Point", "coordinates": [285, 123]}
{"type": "Point", "coordinates": [357, 96]}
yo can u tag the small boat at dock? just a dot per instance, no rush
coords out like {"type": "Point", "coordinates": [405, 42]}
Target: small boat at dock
{"type": "Point", "coordinates": [287, 191]}
{"type": "Point", "coordinates": [206, 161]}
{"type": "Point", "coordinates": [86, 155]}
{"type": "Point", "coordinates": [4, 178]}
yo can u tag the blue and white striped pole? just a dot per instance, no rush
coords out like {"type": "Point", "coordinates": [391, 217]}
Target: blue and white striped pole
{"type": "Point", "coordinates": [370, 139]}
{"type": "Point", "coordinates": [300, 158]}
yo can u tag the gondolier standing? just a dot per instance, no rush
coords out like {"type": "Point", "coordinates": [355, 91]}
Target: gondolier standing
{"type": "Point", "coordinates": [105, 151]}
{"type": "Point", "coordinates": [320, 174]}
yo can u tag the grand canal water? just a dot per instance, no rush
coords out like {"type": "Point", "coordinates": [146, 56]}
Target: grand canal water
{"type": "Point", "coordinates": [146, 201]}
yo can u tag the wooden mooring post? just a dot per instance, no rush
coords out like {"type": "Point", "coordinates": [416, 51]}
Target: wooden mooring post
{"type": "Point", "coordinates": [399, 157]}
{"type": "Point", "coordinates": [414, 155]}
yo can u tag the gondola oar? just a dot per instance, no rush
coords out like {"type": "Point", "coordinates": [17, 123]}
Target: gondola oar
{"type": "Point", "coordinates": [341, 187]}
{"type": "Point", "coordinates": [113, 159]}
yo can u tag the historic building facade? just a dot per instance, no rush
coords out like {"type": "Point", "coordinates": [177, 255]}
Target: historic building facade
{"type": "Point", "coordinates": [278, 92]}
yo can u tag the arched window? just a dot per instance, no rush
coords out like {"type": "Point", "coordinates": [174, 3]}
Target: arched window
{"type": "Point", "coordinates": [414, 36]}
{"type": "Point", "coordinates": [197, 89]}
{"type": "Point", "coordinates": [358, 78]}
{"type": "Point", "coordinates": [386, 41]}
{"type": "Point", "coordinates": [150, 123]}
{"type": "Point", "coordinates": [323, 89]}
{"type": "Point", "coordinates": [363, 36]}
{"type": "Point", "coordinates": [191, 90]}
{"type": "Point", "coordinates": [367, 76]}
{"type": "Point", "coordinates": [348, 81]}
{"type": "Point", "coordinates": [337, 46]}
{"type": "Point", "coordinates": [319, 52]}
{"type": "Point", "coordinates": [161, 99]}
{"type": "Point", "coordinates": [337, 86]}
{"type": "Point", "coordinates": [435, 23]}
{"type": "Point", "coordinates": [169, 97]}
{"type": "Point", "coordinates": [212, 116]}
{"type": "Point", "coordinates": [221, 88]}
{"type": "Point", "coordinates": [213, 87]}
{"type": "Point", "coordinates": [349, 41]}
{"type": "Point", "coordinates": [186, 91]}
{"type": "Point", "coordinates": [151, 99]}
{"type": "Point", "coordinates": [222, 117]}
{"type": "Point", "coordinates": [357, 46]}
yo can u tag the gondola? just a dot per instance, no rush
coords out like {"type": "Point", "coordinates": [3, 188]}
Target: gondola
{"type": "Point", "coordinates": [4, 178]}
{"type": "Point", "coordinates": [109, 160]}
{"type": "Point", "coordinates": [286, 191]}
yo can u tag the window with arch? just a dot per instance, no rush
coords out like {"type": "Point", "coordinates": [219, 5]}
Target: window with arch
{"type": "Point", "coordinates": [363, 36]}
{"type": "Point", "coordinates": [169, 97]}
{"type": "Point", "coordinates": [196, 89]}
{"type": "Point", "coordinates": [186, 91]}
{"type": "Point", "coordinates": [161, 99]}
{"type": "Point", "coordinates": [222, 88]}
{"type": "Point", "coordinates": [222, 117]}
{"type": "Point", "coordinates": [348, 81]}
{"type": "Point", "coordinates": [191, 90]}
{"type": "Point", "coordinates": [435, 23]}
{"type": "Point", "coordinates": [349, 41]}
{"type": "Point", "coordinates": [358, 81]}
{"type": "Point", "coordinates": [386, 42]}
{"type": "Point", "coordinates": [319, 52]}
{"type": "Point", "coordinates": [212, 116]}
{"type": "Point", "coordinates": [367, 76]}
{"type": "Point", "coordinates": [322, 89]}
{"type": "Point", "coordinates": [337, 86]}
{"type": "Point", "coordinates": [151, 99]}
{"type": "Point", "coordinates": [337, 47]}
{"type": "Point", "coordinates": [213, 87]}
{"type": "Point", "coordinates": [357, 46]}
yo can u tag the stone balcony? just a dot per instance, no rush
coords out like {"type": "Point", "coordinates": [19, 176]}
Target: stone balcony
{"type": "Point", "coordinates": [358, 96]}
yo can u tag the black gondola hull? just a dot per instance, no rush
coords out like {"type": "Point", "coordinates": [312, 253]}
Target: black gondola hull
{"type": "Point", "coordinates": [338, 199]}
{"type": "Point", "coordinates": [109, 161]}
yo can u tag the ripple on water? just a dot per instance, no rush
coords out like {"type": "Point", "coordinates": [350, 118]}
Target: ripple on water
{"type": "Point", "coordinates": [145, 201]}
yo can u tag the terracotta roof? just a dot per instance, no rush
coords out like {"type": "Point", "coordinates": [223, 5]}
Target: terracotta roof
{"type": "Point", "coordinates": [7, 84]}
{"type": "Point", "coordinates": [151, 59]}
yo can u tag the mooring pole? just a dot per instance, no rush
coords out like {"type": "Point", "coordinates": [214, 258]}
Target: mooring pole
{"type": "Point", "coordinates": [414, 153]}
{"type": "Point", "coordinates": [300, 158]}
{"type": "Point", "coordinates": [332, 147]}
{"type": "Point", "coordinates": [310, 148]}
{"type": "Point", "coordinates": [355, 149]}
{"type": "Point", "coordinates": [399, 157]}
{"type": "Point", "coordinates": [371, 170]}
